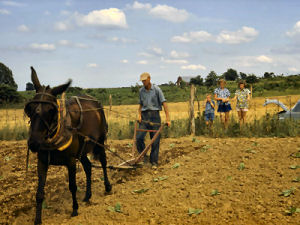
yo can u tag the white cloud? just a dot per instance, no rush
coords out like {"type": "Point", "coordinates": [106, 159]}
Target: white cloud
{"type": "Point", "coordinates": [145, 54]}
{"type": "Point", "coordinates": [138, 5]}
{"type": "Point", "coordinates": [80, 45]}
{"type": "Point", "coordinates": [62, 26]}
{"type": "Point", "coordinates": [23, 28]}
{"type": "Point", "coordinates": [47, 13]}
{"type": "Point", "coordinates": [68, 43]}
{"type": "Point", "coordinates": [174, 61]}
{"type": "Point", "coordinates": [12, 3]}
{"type": "Point", "coordinates": [106, 18]}
{"type": "Point", "coordinates": [92, 65]}
{"type": "Point", "coordinates": [264, 59]}
{"type": "Point", "coordinates": [169, 13]}
{"type": "Point", "coordinates": [121, 40]}
{"type": "Point", "coordinates": [293, 69]}
{"type": "Point", "coordinates": [245, 34]}
{"type": "Point", "coordinates": [193, 67]}
{"type": "Point", "coordinates": [4, 12]}
{"type": "Point", "coordinates": [178, 55]}
{"type": "Point", "coordinates": [156, 50]}
{"type": "Point", "coordinates": [152, 52]}
{"type": "Point", "coordinates": [64, 42]}
{"type": "Point", "coordinates": [193, 36]}
{"type": "Point", "coordinates": [295, 31]}
{"type": "Point", "coordinates": [143, 62]}
{"type": "Point", "coordinates": [111, 17]}
{"type": "Point", "coordinates": [164, 12]}
{"type": "Point", "coordinates": [124, 61]}
{"type": "Point", "coordinates": [42, 47]}
{"type": "Point", "coordinates": [65, 12]}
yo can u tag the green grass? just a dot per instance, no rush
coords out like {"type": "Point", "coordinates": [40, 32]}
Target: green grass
{"type": "Point", "coordinates": [265, 127]}
{"type": "Point", "coordinates": [14, 133]}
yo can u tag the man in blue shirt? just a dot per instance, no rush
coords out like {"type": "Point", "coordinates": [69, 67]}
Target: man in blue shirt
{"type": "Point", "coordinates": [151, 101]}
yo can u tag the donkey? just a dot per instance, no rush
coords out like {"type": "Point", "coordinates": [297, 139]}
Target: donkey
{"type": "Point", "coordinates": [87, 118]}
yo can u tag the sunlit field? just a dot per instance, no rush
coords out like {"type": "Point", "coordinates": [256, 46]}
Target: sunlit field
{"type": "Point", "coordinates": [124, 113]}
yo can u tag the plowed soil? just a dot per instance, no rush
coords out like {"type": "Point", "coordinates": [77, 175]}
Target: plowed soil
{"type": "Point", "coordinates": [246, 196]}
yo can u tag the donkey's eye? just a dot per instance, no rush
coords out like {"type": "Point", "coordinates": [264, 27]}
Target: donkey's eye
{"type": "Point", "coordinates": [30, 109]}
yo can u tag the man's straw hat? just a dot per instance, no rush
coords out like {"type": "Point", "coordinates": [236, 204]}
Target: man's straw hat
{"type": "Point", "coordinates": [144, 76]}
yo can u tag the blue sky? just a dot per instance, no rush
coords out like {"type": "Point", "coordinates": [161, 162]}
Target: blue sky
{"type": "Point", "coordinates": [108, 43]}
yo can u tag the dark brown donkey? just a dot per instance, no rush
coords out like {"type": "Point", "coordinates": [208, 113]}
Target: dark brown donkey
{"type": "Point", "coordinates": [87, 122]}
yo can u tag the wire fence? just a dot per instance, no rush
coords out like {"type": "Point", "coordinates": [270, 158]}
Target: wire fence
{"type": "Point", "coordinates": [121, 118]}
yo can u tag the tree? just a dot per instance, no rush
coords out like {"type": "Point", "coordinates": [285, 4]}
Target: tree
{"type": "Point", "coordinates": [211, 79]}
{"type": "Point", "coordinates": [29, 86]}
{"type": "Point", "coordinates": [251, 79]}
{"type": "Point", "coordinates": [198, 80]}
{"type": "Point", "coordinates": [8, 94]}
{"type": "Point", "coordinates": [6, 76]}
{"type": "Point", "coordinates": [231, 74]}
{"type": "Point", "coordinates": [136, 88]}
{"type": "Point", "coordinates": [243, 76]}
{"type": "Point", "coordinates": [268, 75]}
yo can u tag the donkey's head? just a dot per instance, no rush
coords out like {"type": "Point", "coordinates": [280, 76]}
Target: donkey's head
{"type": "Point", "coordinates": [43, 111]}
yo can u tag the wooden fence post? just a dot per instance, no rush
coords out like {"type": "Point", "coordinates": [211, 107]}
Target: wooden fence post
{"type": "Point", "coordinates": [191, 113]}
{"type": "Point", "coordinates": [110, 102]}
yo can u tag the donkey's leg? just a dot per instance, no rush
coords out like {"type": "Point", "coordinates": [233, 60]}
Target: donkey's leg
{"type": "Point", "coordinates": [72, 184]}
{"type": "Point", "coordinates": [88, 172]}
{"type": "Point", "coordinates": [42, 174]}
{"type": "Point", "coordinates": [102, 158]}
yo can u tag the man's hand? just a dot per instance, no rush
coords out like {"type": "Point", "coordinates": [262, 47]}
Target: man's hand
{"type": "Point", "coordinates": [168, 123]}
{"type": "Point", "coordinates": [140, 118]}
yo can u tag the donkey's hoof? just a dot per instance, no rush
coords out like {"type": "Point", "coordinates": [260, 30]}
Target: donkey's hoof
{"type": "Point", "coordinates": [108, 188]}
{"type": "Point", "coordinates": [74, 213]}
{"type": "Point", "coordinates": [37, 222]}
{"type": "Point", "coordinates": [86, 198]}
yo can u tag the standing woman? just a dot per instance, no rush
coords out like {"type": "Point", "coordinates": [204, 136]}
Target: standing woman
{"type": "Point", "coordinates": [222, 96]}
{"type": "Point", "coordinates": [242, 97]}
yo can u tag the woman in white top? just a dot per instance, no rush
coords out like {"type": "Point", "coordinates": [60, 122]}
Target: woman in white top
{"type": "Point", "coordinates": [242, 97]}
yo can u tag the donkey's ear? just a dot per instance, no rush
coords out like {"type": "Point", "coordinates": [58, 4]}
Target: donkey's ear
{"type": "Point", "coordinates": [61, 88]}
{"type": "Point", "coordinates": [35, 79]}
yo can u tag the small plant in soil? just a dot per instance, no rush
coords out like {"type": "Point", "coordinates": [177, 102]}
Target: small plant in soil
{"type": "Point", "coordinates": [116, 208]}
{"type": "Point", "coordinates": [250, 151]}
{"type": "Point", "coordinates": [287, 192]}
{"type": "Point", "coordinates": [140, 191]}
{"type": "Point", "coordinates": [214, 192]}
{"type": "Point", "coordinates": [172, 145]}
{"type": "Point", "coordinates": [205, 148]}
{"type": "Point", "coordinates": [297, 179]}
{"type": "Point", "coordinates": [160, 178]}
{"type": "Point", "coordinates": [241, 166]}
{"type": "Point", "coordinates": [292, 211]}
{"type": "Point", "coordinates": [176, 165]}
{"type": "Point", "coordinates": [229, 178]}
{"type": "Point", "coordinates": [195, 140]}
{"type": "Point", "coordinates": [293, 167]}
{"type": "Point", "coordinates": [194, 211]}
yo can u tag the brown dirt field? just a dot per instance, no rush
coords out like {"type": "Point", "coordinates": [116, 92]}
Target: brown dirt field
{"type": "Point", "coordinates": [249, 196]}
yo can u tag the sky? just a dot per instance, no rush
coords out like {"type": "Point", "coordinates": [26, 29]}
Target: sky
{"type": "Point", "coordinates": [109, 43]}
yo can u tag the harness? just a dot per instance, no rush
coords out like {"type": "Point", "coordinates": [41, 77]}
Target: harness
{"type": "Point", "coordinates": [59, 135]}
